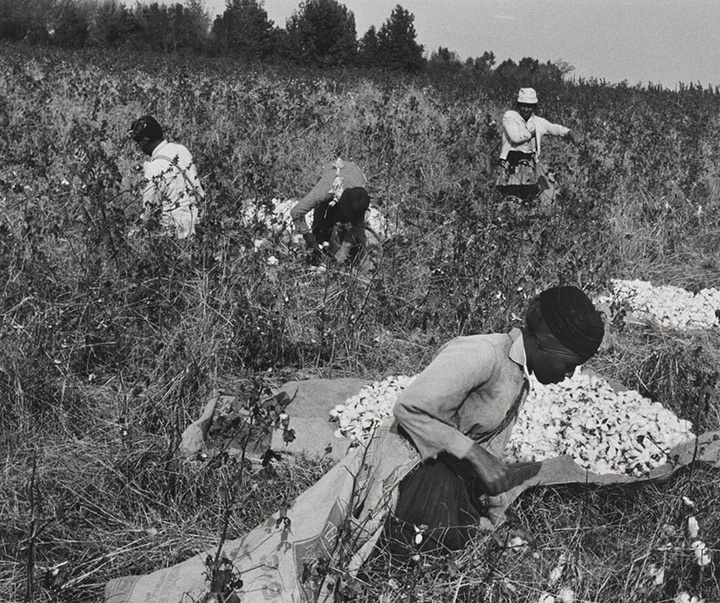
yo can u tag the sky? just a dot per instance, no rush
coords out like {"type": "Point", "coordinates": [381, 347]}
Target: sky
{"type": "Point", "coordinates": [638, 41]}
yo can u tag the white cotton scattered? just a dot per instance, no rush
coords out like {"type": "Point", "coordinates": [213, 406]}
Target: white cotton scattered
{"type": "Point", "coordinates": [703, 555]}
{"type": "Point", "coordinates": [566, 595]}
{"type": "Point", "coordinates": [657, 574]}
{"type": "Point", "coordinates": [546, 598]}
{"type": "Point", "coordinates": [558, 570]}
{"type": "Point", "coordinates": [602, 430]}
{"type": "Point", "coordinates": [666, 305]}
{"type": "Point", "coordinates": [683, 597]}
{"type": "Point", "coordinates": [275, 214]}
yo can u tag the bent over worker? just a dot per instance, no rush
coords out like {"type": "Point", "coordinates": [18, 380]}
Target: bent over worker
{"type": "Point", "coordinates": [339, 201]}
{"type": "Point", "coordinates": [460, 410]}
{"type": "Point", "coordinates": [172, 190]}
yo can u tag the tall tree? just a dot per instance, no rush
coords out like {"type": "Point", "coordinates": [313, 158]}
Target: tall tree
{"type": "Point", "coordinates": [244, 29]}
{"type": "Point", "coordinates": [398, 48]}
{"type": "Point", "coordinates": [321, 33]}
{"type": "Point", "coordinates": [170, 28]}
{"type": "Point", "coordinates": [369, 48]}
{"type": "Point", "coordinates": [112, 25]}
{"type": "Point", "coordinates": [483, 64]}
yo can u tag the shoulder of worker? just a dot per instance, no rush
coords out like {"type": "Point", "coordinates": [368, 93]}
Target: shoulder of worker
{"type": "Point", "coordinates": [488, 345]}
{"type": "Point", "coordinates": [512, 115]}
{"type": "Point", "coordinates": [169, 151]}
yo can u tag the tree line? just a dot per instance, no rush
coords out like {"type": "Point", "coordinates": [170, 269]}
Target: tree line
{"type": "Point", "coordinates": [319, 33]}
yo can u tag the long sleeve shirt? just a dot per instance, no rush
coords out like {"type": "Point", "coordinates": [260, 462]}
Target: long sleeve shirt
{"type": "Point", "coordinates": [465, 392]}
{"type": "Point", "coordinates": [172, 185]}
{"type": "Point", "coordinates": [350, 175]}
{"type": "Point", "coordinates": [525, 136]}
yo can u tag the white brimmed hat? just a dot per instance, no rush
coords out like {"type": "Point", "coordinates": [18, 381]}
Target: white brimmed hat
{"type": "Point", "coordinates": [527, 96]}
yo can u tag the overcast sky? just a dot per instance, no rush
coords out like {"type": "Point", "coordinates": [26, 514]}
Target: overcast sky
{"type": "Point", "coordinates": [641, 41]}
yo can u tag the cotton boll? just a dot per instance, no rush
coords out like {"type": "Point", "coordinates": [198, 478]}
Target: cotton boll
{"type": "Point", "coordinates": [703, 555]}
{"type": "Point", "coordinates": [693, 527]}
{"type": "Point", "coordinates": [566, 595]}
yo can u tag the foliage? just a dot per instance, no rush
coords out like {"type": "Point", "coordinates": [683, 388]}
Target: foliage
{"type": "Point", "coordinates": [397, 45]}
{"type": "Point", "coordinates": [322, 33]}
{"type": "Point", "coordinates": [244, 29]}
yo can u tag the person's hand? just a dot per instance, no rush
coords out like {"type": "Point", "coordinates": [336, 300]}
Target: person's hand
{"type": "Point", "coordinates": [493, 472]}
{"type": "Point", "coordinates": [297, 239]}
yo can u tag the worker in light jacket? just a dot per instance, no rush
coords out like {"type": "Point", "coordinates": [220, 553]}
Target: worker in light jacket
{"type": "Point", "coordinates": [520, 172]}
{"type": "Point", "coordinates": [172, 192]}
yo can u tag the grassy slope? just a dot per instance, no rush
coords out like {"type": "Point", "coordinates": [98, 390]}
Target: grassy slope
{"type": "Point", "coordinates": [111, 345]}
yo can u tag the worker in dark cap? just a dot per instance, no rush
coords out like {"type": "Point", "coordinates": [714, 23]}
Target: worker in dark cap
{"type": "Point", "coordinates": [172, 194]}
{"type": "Point", "coordinates": [459, 411]}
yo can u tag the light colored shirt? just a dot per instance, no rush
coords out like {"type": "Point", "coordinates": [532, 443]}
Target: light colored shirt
{"type": "Point", "coordinates": [335, 177]}
{"type": "Point", "coordinates": [172, 184]}
{"type": "Point", "coordinates": [465, 392]}
{"type": "Point", "coordinates": [519, 135]}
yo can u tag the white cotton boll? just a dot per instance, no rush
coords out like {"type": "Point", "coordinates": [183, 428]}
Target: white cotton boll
{"type": "Point", "coordinates": [703, 555]}
{"type": "Point", "coordinates": [657, 574]}
{"type": "Point", "coordinates": [693, 527]}
{"type": "Point", "coordinates": [566, 595]}
{"type": "Point", "coordinates": [546, 598]}
{"type": "Point", "coordinates": [558, 570]}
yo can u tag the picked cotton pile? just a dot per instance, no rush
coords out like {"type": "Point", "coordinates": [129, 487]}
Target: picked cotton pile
{"type": "Point", "coordinates": [669, 306]}
{"type": "Point", "coordinates": [359, 415]}
{"type": "Point", "coordinates": [603, 430]}
{"type": "Point", "coordinates": [276, 216]}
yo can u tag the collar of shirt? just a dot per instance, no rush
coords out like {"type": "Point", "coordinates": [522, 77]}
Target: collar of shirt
{"type": "Point", "coordinates": [158, 149]}
{"type": "Point", "coordinates": [517, 351]}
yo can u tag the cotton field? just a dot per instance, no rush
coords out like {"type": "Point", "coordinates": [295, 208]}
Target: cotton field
{"type": "Point", "coordinates": [603, 430]}
{"type": "Point", "coordinates": [668, 306]}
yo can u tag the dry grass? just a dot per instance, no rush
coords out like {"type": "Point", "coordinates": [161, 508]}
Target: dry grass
{"type": "Point", "coordinates": [111, 346]}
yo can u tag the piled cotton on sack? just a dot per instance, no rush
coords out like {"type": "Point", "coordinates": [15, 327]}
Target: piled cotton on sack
{"type": "Point", "coordinates": [583, 417]}
{"type": "Point", "coordinates": [602, 430]}
{"type": "Point", "coordinates": [276, 215]}
{"type": "Point", "coordinates": [359, 415]}
{"type": "Point", "coordinates": [669, 306]}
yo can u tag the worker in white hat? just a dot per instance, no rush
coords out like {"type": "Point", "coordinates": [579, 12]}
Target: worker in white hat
{"type": "Point", "coordinates": [520, 174]}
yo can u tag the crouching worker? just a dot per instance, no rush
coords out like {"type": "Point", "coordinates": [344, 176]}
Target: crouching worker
{"type": "Point", "coordinates": [172, 190]}
{"type": "Point", "coordinates": [434, 470]}
{"type": "Point", "coordinates": [458, 413]}
{"type": "Point", "coordinates": [339, 202]}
